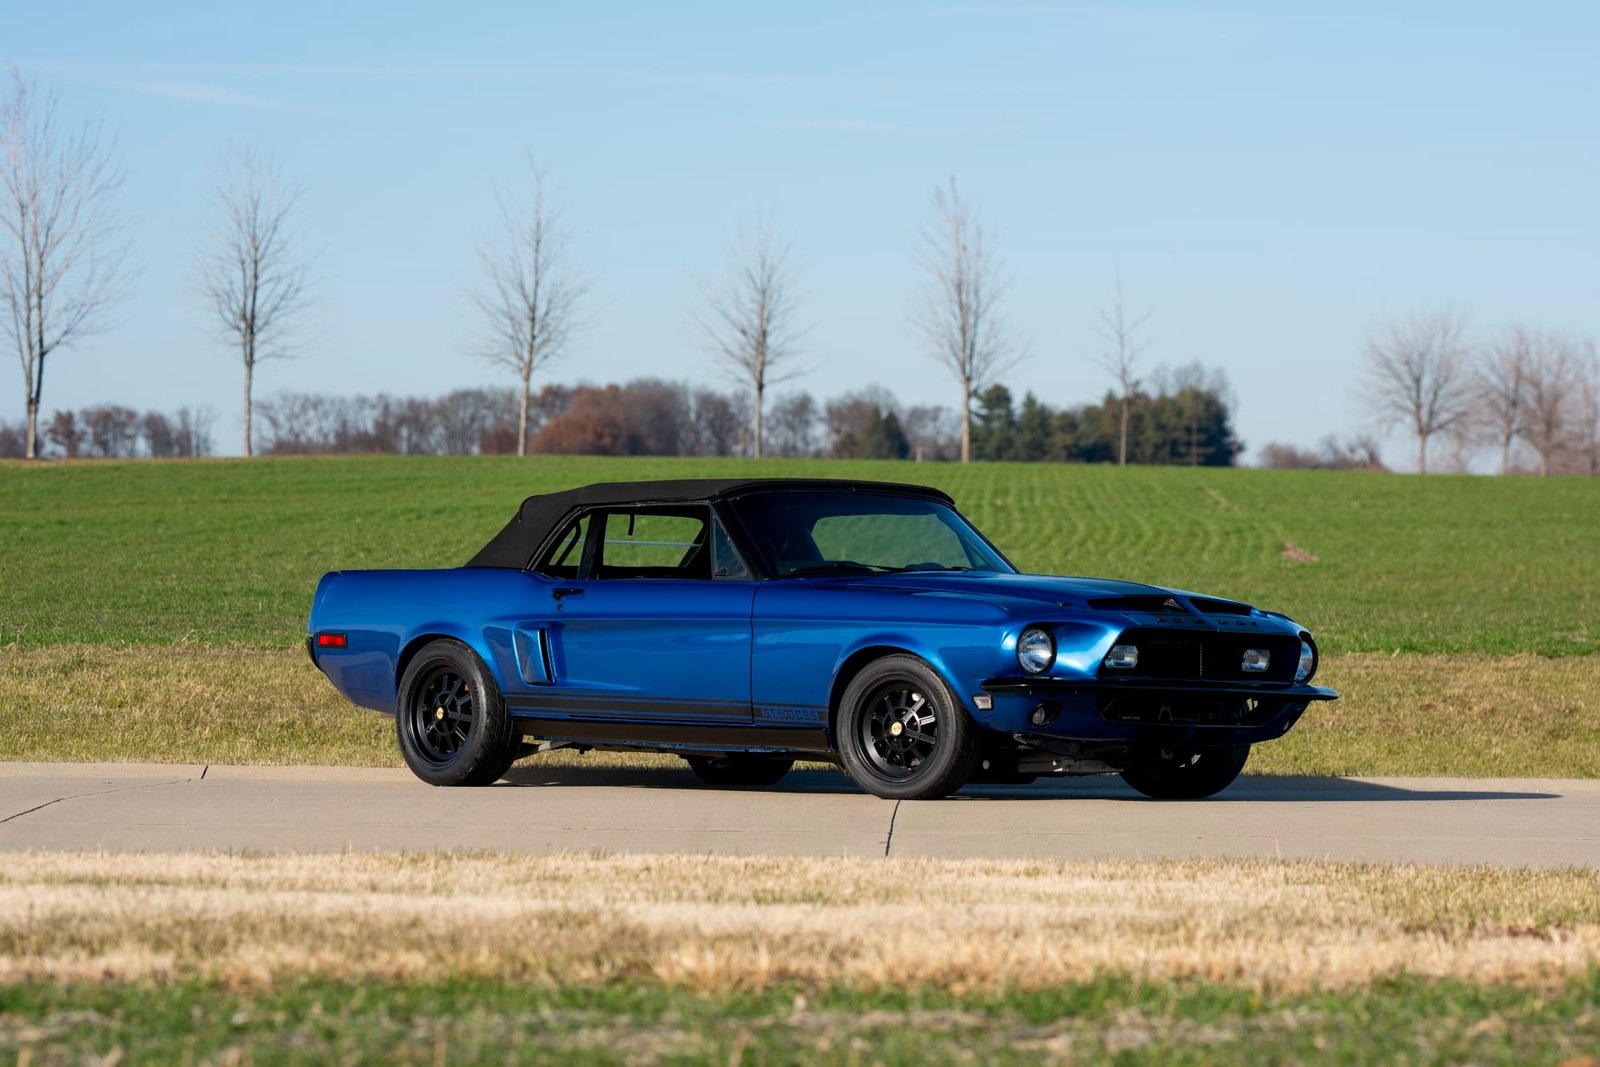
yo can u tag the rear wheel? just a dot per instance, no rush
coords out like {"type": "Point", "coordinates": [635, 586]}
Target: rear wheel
{"type": "Point", "coordinates": [739, 769]}
{"type": "Point", "coordinates": [901, 734]}
{"type": "Point", "coordinates": [451, 720]}
{"type": "Point", "coordinates": [1188, 774]}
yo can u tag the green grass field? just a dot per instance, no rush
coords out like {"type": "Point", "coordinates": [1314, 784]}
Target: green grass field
{"type": "Point", "coordinates": [228, 552]}
{"type": "Point", "coordinates": [1112, 1021]}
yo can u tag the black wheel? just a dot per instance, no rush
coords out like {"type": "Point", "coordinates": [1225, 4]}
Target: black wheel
{"type": "Point", "coordinates": [451, 720]}
{"type": "Point", "coordinates": [739, 769]}
{"type": "Point", "coordinates": [901, 735]}
{"type": "Point", "coordinates": [1188, 774]}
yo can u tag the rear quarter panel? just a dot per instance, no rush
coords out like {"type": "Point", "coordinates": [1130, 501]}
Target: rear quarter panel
{"type": "Point", "coordinates": [387, 614]}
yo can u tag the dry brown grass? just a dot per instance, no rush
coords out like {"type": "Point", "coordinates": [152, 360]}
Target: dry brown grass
{"type": "Point", "coordinates": [721, 923]}
{"type": "Point", "coordinates": [1475, 716]}
{"type": "Point", "coordinates": [1471, 716]}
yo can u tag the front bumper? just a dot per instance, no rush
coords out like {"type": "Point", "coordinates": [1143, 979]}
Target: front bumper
{"type": "Point", "coordinates": [1146, 711]}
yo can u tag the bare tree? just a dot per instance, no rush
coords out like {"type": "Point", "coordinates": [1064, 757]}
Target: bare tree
{"type": "Point", "coordinates": [1552, 375]}
{"type": "Point", "coordinates": [794, 425]}
{"type": "Point", "coordinates": [62, 259]}
{"type": "Point", "coordinates": [1587, 437]}
{"type": "Point", "coordinates": [1500, 389]}
{"type": "Point", "coordinates": [251, 271]}
{"type": "Point", "coordinates": [529, 295]}
{"type": "Point", "coordinates": [1120, 348]}
{"type": "Point", "coordinates": [1417, 374]}
{"type": "Point", "coordinates": [748, 321]}
{"type": "Point", "coordinates": [959, 314]}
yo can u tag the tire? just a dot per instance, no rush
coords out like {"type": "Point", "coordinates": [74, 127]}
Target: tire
{"type": "Point", "coordinates": [513, 753]}
{"type": "Point", "coordinates": [739, 769]}
{"type": "Point", "coordinates": [902, 735]}
{"type": "Point", "coordinates": [1192, 774]}
{"type": "Point", "coordinates": [451, 720]}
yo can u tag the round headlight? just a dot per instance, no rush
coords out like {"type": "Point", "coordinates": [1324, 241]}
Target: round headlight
{"type": "Point", "coordinates": [1308, 663]}
{"type": "Point", "coordinates": [1036, 649]}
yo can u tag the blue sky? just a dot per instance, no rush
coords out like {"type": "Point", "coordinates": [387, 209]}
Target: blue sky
{"type": "Point", "coordinates": [1271, 178]}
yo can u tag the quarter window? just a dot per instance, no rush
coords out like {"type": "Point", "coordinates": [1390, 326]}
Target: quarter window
{"type": "Point", "coordinates": [565, 558]}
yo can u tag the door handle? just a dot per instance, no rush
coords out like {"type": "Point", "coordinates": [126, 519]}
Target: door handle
{"type": "Point", "coordinates": [560, 593]}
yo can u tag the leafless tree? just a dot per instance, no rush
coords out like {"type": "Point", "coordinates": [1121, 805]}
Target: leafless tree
{"type": "Point", "coordinates": [194, 431]}
{"type": "Point", "coordinates": [1552, 377]}
{"type": "Point", "coordinates": [1587, 437]}
{"type": "Point", "coordinates": [959, 315]}
{"type": "Point", "coordinates": [1500, 389]}
{"type": "Point", "coordinates": [1119, 351]}
{"type": "Point", "coordinates": [62, 257]}
{"type": "Point", "coordinates": [794, 425]}
{"type": "Point", "coordinates": [251, 271]}
{"type": "Point", "coordinates": [530, 293]}
{"type": "Point", "coordinates": [1418, 374]}
{"type": "Point", "coordinates": [748, 321]}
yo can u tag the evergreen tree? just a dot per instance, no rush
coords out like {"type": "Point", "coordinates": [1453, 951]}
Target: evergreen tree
{"type": "Point", "coordinates": [994, 425]}
{"type": "Point", "coordinates": [1031, 441]}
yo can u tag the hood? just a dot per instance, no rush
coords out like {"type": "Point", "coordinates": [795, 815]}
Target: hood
{"type": "Point", "coordinates": [1073, 593]}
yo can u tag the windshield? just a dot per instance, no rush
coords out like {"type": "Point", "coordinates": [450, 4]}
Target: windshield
{"type": "Point", "coordinates": [800, 532]}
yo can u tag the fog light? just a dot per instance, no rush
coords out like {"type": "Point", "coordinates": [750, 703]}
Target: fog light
{"type": "Point", "coordinates": [1122, 657]}
{"type": "Point", "coordinates": [1256, 661]}
{"type": "Point", "coordinates": [1045, 713]}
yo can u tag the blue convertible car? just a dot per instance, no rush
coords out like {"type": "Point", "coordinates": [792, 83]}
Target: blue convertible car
{"type": "Point", "coordinates": [745, 624]}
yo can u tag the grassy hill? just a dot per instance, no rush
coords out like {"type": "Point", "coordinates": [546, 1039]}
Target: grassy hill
{"type": "Point", "coordinates": [228, 551]}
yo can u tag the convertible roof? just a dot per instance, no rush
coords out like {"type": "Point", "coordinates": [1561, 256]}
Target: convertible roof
{"type": "Point", "coordinates": [538, 516]}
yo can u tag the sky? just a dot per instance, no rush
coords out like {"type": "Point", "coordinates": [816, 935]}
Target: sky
{"type": "Point", "coordinates": [1270, 180]}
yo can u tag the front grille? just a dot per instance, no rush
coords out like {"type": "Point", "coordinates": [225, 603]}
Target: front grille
{"type": "Point", "coordinates": [1176, 655]}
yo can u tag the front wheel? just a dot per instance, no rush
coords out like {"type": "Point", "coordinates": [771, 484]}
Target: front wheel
{"type": "Point", "coordinates": [901, 734]}
{"type": "Point", "coordinates": [739, 769]}
{"type": "Point", "coordinates": [1188, 774]}
{"type": "Point", "coordinates": [451, 720]}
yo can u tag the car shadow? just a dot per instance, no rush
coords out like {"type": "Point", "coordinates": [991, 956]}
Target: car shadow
{"type": "Point", "coordinates": [823, 779]}
{"type": "Point", "coordinates": [1253, 788]}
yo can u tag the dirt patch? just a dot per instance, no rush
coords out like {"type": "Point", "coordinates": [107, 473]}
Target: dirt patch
{"type": "Point", "coordinates": [1293, 553]}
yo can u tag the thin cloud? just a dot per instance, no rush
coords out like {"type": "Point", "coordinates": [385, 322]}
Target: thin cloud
{"type": "Point", "coordinates": [205, 93]}
{"type": "Point", "coordinates": [848, 125]}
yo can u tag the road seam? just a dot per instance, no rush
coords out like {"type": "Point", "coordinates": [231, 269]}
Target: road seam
{"type": "Point", "coordinates": [92, 793]}
{"type": "Point", "coordinates": [889, 841]}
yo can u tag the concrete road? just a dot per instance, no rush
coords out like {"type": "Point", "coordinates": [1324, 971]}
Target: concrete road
{"type": "Point", "coordinates": [162, 807]}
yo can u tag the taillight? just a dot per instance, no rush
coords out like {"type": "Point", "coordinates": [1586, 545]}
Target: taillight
{"type": "Point", "coordinates": [327, 640]}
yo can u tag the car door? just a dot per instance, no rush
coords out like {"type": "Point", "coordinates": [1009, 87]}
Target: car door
{"type": "Point", "coordinates": [653, 624]}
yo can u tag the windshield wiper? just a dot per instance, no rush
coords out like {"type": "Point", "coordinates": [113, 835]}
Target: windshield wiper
{"type": "Point", "coordinates": [842, 566]}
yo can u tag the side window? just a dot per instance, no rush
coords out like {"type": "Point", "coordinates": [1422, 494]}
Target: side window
{"type": "Point", "coordinates": [655, 543]}
{"type": "Point", "coordinates": [565, 557]}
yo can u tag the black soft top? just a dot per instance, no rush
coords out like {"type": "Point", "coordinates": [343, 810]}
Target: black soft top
{"type": "Point", "coordinates": [539, 516]}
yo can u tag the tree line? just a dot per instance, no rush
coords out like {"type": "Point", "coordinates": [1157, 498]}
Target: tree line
{"type": "Point", "coordinates": [1184, 421]}
{"type": "Point", "coordinates": [111, 431]}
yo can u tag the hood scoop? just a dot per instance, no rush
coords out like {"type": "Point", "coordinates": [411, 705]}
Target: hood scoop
{"type": "Point", "coordinates": [1147, 604]}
